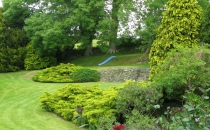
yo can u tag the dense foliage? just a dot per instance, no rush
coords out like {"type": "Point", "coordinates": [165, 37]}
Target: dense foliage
{"type": "Point", "coordinates": [81, 104]}
{"type": "Point", "coordinates": [85, 75]}
{"type": "Point", "coordinates": [56, 74]}
{"type": "Point", "coordinates": [205, 28]}
{"type": "Point", "coordinates": [11, 59]}
{"type": "Point", "coordinates": [182, 69]}
{"type": "Point", "coordinates": [180, 24]}
{"type": "Point", "coordinates": [65, 73]}
{"type": "Point", "coordinates": [34, 61]}
{"type": "Point", "coordinates": [138, 96]}
{"type": "Point", "coordinates": [12, 46]}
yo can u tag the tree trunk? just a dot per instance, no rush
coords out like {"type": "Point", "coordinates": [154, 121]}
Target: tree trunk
{"type": "Point", "coordinates": [114, 30]}
{"type": "Point", "coordinates": [112, 48]}
{"type": "Point", "coordinates": [89, 50]}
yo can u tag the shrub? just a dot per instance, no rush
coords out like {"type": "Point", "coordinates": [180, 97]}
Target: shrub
{"type": "Point", "coordinates": [56, 74]}
{"type": "Point", "coordinates": [34, 62]}
{"type": "Point", "coordinates": [85, 75]}
{"type": "Point", "coordinates": [90, 103]}
{"type": "Point", "coordinates": [193, 115]}
{"type": "Point", "coordinates": [137, 121]}
{"type": "Point", "coordinates": [11, 59]}
{"type": "Point", "coordinates": [182, 69]}
{"type": "Point", "coordinates": [140, 96]}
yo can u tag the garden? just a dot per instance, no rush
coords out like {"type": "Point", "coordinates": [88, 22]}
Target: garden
{"type": "Point", "coordinates": [61, 67]}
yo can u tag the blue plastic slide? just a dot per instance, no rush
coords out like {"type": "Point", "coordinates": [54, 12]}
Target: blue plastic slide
{"type": "Point", "coordinates": [107, 60]}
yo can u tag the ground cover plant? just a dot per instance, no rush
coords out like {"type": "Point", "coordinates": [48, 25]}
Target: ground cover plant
{"type": "Point", "coordinates": [67, 73]}
{"type": "Point", "coordinates": [20, 107]}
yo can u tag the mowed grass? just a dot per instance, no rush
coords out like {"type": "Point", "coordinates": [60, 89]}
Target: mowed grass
{"type": "Point", "coordinates": [19, 95]}
{"type": "Point", "coordinates": [20, 107]}
{"type": "Point", "coordinates": [121, 60]}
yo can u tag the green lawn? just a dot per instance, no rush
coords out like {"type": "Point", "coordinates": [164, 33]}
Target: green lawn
{"type": "Point", "coordinates": [19, 103]}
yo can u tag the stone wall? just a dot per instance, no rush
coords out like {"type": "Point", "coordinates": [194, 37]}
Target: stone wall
{"type": "Point", "coordinates": [123, 74]}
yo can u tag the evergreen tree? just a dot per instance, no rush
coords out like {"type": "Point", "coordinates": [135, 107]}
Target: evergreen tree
{"type": "Point", "coordinates": [179, 26]}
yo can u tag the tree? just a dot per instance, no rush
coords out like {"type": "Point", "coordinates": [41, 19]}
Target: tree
{"type": "Point", "coordinates": [151, 19]}
{"type": "Point", "coordinates": [205, 26]}
{"type": "Point", "coordinates": [12, 42]}
{"type": "Point", "coordinates": [58, 25]}
{"type": "Point", "coordinates": [180, 26]}
{"type": "Point", "coordinates": [16, 12]}
{"type": "Point", "coordinates": [117, 13]}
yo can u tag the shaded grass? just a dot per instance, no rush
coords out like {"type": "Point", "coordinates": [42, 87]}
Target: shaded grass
{"type": "Point", "coordinates": [128, 59]}
{"type": "Point", "coordinates": [19, 103]}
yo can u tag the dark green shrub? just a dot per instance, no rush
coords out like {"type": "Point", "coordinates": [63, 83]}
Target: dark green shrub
{"type": "Point", "coordinates": [182, 69]}
{"type": "Point", "coordinates": [34, 62]}
{"type": "Point", "coordinates": [193, 115]}
{"type": "Point", "coordinates": [140, 96]}
{"type": "Point", "coordinates": [85, 75]}
{"type": "Point", "coordinates": [56, 74]}
{"type": "Point", "coordinates": [94, 102]}
{"type": "Point", "coordinates": [11, 59]}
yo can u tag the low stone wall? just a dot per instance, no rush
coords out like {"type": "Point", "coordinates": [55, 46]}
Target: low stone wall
{"type": "Point", "coordinates": [123, 74]}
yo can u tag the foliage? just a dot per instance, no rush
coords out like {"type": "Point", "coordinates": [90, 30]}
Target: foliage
{"type": "Point", "coordinates": [205, 27]}
{"type": "Point", "coordinates": [178, 72]}
{"type": "Point", "coordinates": [105, 123]}
{"type": "Point", "coordinates": [12, 43]}
{"type": "Point", "coordinates": [151, 17]}
{"type": "Point", "coordinates": [94, 102]}
{"type": "Point", "coordinates": [11, 59]}
{"type": "Point", "coordinates": [137, 121]}
{"type": "Point", "coordinates": [140, 96]}
{"type": "Point", "coordinates": [193, 115]}
{"type": "Point", "coordinates": [16, 18]}
{"type": "Point", "coordinates": [56, 74]}
{"type": "Point", "coordinates": [33, 61]}
{"type": "Point", "coordinates": [179, 26]}
{"type": "Point", "coordinates": [85, 75]}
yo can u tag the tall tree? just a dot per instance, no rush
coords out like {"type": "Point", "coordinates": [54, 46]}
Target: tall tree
{"type": "Point", "coordinates": [61, 24]}
{"type": "Point", "coordinates": [117, 13]}
{"type": "Point", "coordinates": [151, 19]}
{"type": "Point", "coordinates": [180, 26]}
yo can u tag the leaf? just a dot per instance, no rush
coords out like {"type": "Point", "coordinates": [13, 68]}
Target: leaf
{"type": "Point", "coordinates": [188, 107]}
{"type": "Point", "coordinates": [84, 125]}
{"type": "Point", "coordinates": [185, 119]}
{"type": "Point", "coordinates": [206, 97]}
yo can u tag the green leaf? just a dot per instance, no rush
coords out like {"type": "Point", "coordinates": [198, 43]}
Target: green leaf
{"type": "Point", "coordinates": [84, 125]}
{"type": "Point", "coordinates": [185, 119]}
{"type": "Point", "coordinates": [188, 107]}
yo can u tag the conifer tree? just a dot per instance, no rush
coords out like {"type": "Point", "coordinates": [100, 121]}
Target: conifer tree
{"type": "Point", "coordinates": [179, 26]}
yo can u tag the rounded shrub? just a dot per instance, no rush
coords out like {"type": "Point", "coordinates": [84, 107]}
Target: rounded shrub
{"type": "Point", "coordinates": [85, 75]}
{"type": "Point", "coordinates": [183, 68]}
{"type": "Point", "coordinates": [56, 74]}
{"type": "Point", "coordinates": [139, 96]}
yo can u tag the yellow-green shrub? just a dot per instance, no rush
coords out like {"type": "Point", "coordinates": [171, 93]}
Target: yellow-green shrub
{"type": "Point", "coordinates": [56, 74]}
{"type": "Point", "coordinates": [179, 26]}
{"type": "Point", "coordinates": [95, 102]}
